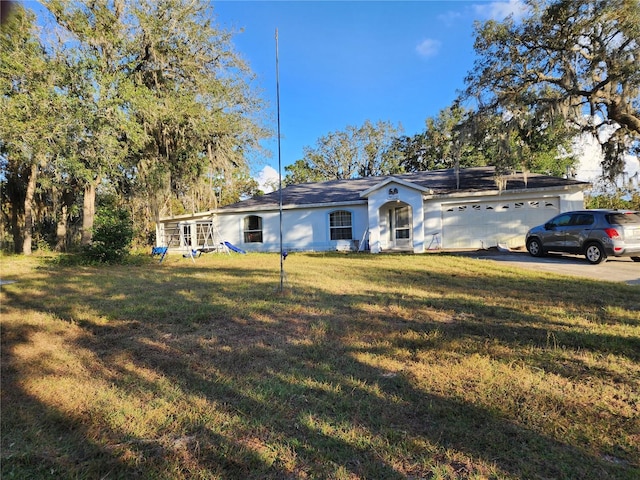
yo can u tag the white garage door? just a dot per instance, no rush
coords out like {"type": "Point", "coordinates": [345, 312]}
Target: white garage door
{"type": "Point", "coordinates": [485, 224]}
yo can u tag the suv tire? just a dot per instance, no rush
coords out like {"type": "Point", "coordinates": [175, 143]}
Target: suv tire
{"type": "Point", "coordinates": [594, 253]}
{"type": "Point", "coordinates": [534, 247]}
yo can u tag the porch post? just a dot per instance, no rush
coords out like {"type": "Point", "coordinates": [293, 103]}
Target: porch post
{"type": "Point", "coordinates": [374, 226]}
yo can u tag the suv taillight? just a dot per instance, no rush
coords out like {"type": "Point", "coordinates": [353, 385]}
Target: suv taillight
{"type": "Point", "coordinates": [612, 232]}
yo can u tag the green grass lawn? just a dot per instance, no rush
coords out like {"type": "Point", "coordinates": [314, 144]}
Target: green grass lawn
{"type": "Point", "coordinates": [365, 367]}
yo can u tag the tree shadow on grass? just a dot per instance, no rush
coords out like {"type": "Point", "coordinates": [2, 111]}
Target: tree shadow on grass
{"type": "Point", "coordinates": [492, 307]}
{"type": "Point", "coordinates": [313, 396]}
{"type": "Point", "coordinates": [274, 378]}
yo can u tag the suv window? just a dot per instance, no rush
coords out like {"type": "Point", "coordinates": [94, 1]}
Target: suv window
{"type": "Point", "coordinates": [582, 219]}
{"type": "Point", "coordinates": [623, 218]}
{"type": "Point", "coordinates": [561, 221]}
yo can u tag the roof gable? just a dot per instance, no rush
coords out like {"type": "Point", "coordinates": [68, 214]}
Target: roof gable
{"type": "Point", "coordinates": [394, 180]}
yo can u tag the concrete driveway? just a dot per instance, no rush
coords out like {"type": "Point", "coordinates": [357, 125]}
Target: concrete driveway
{"type": "Point", "coordinates": [616, 269]}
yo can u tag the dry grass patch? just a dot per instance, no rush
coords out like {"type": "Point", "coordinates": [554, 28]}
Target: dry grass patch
{"type": "Point", "coordinates": [433, 366]}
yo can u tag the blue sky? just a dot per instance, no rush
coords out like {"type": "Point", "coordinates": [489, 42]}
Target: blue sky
{"type": "Point", "coordinates": [344, 62]}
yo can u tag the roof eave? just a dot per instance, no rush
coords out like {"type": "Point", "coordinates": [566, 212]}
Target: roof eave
{"type": "Point", "coordinates": [292, 206]}
{"type": "Point", "coordinates": [493, 193]}
{"type": "Point", "coordinates": [189, 216]}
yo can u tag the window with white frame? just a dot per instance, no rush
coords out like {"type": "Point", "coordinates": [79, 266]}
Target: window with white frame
{"type": "Point", "coordinates": [185, 234]}
{"type": "Point", "coordinates": [340, 225]}
{"type": "Point", "coordinates": [253, 229]}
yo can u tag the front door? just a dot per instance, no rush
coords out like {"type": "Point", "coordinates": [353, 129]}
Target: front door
{"type": "Point", "coordinates": [400, 227]}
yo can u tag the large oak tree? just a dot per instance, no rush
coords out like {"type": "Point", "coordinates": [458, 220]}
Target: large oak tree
{"type": "Point", "coordinates": [574, 65]}
{"type": "Point", "coordinates": [440, 145]}
{"type": "Point", "coordinates": [146, 99]}
{"type": "Point", "coordinates": [31, 121]}
{"type": "Point", "coordinates": [354, 152]}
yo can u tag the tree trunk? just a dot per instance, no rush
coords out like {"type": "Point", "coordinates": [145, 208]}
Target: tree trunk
{"type": "Point", "coordinates": [88, 213]}
{"type": "Point", "coordinates": [28, 210]}
{"type": "Point", "coordinates": [16, 220]}
{"type": "Point", "coordinates": [61, 229]}
{"type": "Point", "coordinates": [66, 200]}
{"type": "Point", "coordinates": [13, 195]}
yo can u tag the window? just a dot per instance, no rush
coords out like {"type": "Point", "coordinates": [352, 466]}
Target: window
{"type": "Point", "coordinates": [186, 235]}
{"type": "Point", "coordinates": [582, 219]}
{"type": "Point", "coordinates": [252, 229]}
{"type": "Point", "coordinates": [561, 221]}
{"type": "Point", "coordinates": [340, 225]}
{"type": "Point", "coordinates": [623, 218]}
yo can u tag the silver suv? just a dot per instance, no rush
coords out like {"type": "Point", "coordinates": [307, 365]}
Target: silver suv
{"type": "Point", "coordinates": [596, 234]}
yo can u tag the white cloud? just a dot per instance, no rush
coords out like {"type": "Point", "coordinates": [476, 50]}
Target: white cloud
{"type": "Point", "coordinates": [428, 48]}
{"type": "Point", "coordinates": [501, 10]}
{"type": "Point", "coordinates": [450, 18]}
{"type": "Point", "coordinates": [268, 179]}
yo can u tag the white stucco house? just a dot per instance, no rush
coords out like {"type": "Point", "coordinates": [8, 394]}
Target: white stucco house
{"type": "Point", "coordinates": [414, 212]}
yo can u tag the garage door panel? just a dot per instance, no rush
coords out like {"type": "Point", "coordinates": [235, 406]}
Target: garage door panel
{"type": "Point", "coordinates": [485, 224]}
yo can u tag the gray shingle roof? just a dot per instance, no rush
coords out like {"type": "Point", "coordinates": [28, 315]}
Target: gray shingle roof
{"type": "Point", "coordinates": [441, 182]}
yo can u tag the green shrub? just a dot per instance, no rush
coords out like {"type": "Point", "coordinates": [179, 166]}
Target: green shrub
{"type": "Point", "coordinates": [112, 236]}
{"type": "Point", "coordinates": [624, 198]}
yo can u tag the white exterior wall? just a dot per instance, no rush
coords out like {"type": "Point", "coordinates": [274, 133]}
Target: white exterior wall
{"type": "Point", "coordinates": [432, 224]}
{"type": "Point", "coordinates": [302, 229]}
{"type": "Point", "coordinates": [572, 201]}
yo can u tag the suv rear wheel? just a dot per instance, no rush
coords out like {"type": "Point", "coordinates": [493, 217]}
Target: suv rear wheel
{"type": "Point", "coordinates": [594, 253]}
{"type": "Point", "coordinates": [534, 247]}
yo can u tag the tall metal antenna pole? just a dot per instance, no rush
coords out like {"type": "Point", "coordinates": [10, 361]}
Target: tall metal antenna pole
{"type": "Point", "coordinates": [279, 165]}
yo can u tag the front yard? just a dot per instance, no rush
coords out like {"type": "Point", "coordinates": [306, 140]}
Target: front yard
{"type": "Point", "coordinates": [365, 367]}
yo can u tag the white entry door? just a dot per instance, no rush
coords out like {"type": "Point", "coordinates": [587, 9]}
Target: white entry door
{"type": "Point", "coordinates": [400, 227]}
